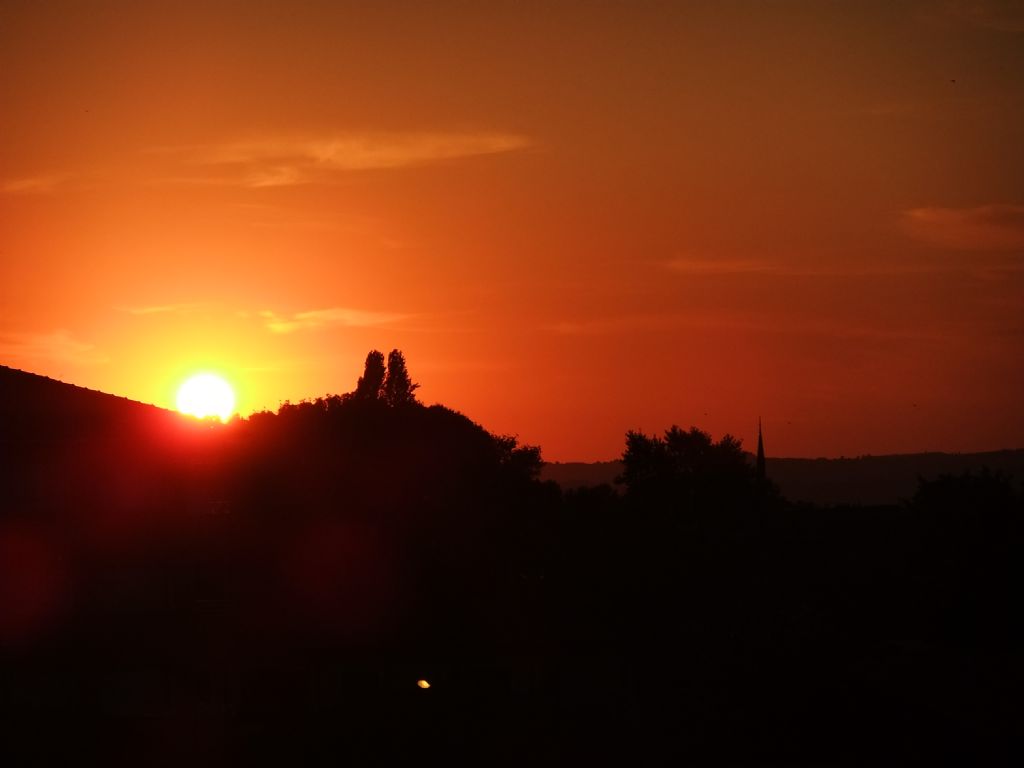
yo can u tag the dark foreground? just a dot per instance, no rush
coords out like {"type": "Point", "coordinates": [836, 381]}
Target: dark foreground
{"type": "Point", "coordinates": [271, 591]}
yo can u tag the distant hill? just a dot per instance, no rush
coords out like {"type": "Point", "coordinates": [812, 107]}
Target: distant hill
{"type": "Point", "coordinates": [862, 480]}
{"type": "Point", "coordinates": [881, 479]}
{"type": "Point", "coordinates": [581, 474]}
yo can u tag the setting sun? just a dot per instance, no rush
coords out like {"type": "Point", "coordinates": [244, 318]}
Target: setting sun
{"type": "Point", "coordinates": [206, 394]}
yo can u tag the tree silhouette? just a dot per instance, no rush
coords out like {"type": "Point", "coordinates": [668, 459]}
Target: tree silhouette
{"type": "Point", "coordinates": [687, 469]}
{"type": "Point", "coordinates": [371, 383]}
{"type": "Point", "coordinates": [523, 460]}
{"type": "Point", "coordinates": [399, 389]}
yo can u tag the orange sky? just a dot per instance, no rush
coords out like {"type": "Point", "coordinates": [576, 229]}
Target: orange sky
{"type": "Point", "coordinates": [573, 218]}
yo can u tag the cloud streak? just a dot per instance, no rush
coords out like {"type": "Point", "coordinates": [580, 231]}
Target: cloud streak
{"type": "Point", "coordinates": [332, 317]}
{"type": "Point", "coordinates": [982, 228]}
{"type": "Point", "coordinates": [161, 309]}
{"type": "Point", "coordinates": [706, 266]}
{"type": "Point", "coordinates": [56, 346]}
{"type": "Point", "coordinates": [280, 162]}
{"type": "Point", "coordinates": [31, 185]}
{"type": "Point", "coordinates": [741, 322]}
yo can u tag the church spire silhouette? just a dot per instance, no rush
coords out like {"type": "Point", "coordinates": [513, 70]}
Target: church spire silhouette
{"type": "Point", "coordinates": [760, 450]}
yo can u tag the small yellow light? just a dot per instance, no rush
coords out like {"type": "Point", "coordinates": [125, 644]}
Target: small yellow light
{"type": "Point", "coordinates": [423, 684]}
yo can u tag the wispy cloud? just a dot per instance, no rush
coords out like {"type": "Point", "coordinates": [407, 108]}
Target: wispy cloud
{"type": "Point", "coordinates": [741, 322]}
{"type": "Point", "coordinates": [996, 264]}
{"type": "Point", "coordinates": [277, 162]}
{"type": "Point", "coordinates": [712, 266]}
{"type": "Point", "coordinates": [327, 318]}
{"type": "Point", "coordinates": [715, 267]}
{"type": "Point", "coordinates": [982, 228]}
{"type": "Point", "coordinates": [161, 309]}
{"type": "Point", "coordinates": [347, 317]}
{"type": "Point", "coordinates": [31, 185]}
{"type": "Point", "coordinates": [282, 161]}
{"type": "Point", "coordinates": [611, 325]}
{"type": "Point", "coordinates": [56, 346]}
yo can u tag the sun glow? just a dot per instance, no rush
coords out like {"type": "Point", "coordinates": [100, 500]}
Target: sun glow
{"type": "Point", "coordinates": [205, 395]}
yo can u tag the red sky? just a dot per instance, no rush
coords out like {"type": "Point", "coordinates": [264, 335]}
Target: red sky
{"type": "Point", "coordinates": [574, 218]}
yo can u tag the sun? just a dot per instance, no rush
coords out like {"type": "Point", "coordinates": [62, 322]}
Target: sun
{"type": "Point", "coordinates": [206, 394]}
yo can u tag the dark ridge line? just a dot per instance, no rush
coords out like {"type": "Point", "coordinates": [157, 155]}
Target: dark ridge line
{"type": "Point", "coordinates": [51, 380]}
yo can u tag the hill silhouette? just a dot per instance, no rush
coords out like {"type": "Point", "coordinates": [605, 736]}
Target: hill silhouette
{"type": "Point", "coordinates": [870, 480]}
{"type": "Point", "coordinates": [35, 407]}
{"type": "Point", "coordinates": [272, 590]}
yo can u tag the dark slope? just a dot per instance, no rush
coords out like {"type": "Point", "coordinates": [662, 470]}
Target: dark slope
{"type": "Point", "coordinates": [34, 407]}
{"type": "Point", "coordinates": [88, 458]}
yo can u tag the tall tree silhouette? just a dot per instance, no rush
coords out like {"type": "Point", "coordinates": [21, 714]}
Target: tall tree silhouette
{"type": "Point", "coordinates": [371, 383]}
{"type": "Point", "coordinates": [687, 469]}
{"type": "Point", "coordinates": [398, 387]}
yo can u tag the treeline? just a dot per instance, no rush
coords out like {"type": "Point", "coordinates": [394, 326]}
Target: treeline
{"type": "Point", "coordinates": [310, 566]}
